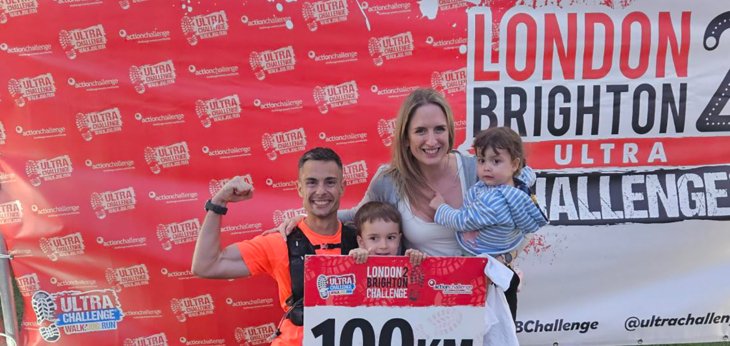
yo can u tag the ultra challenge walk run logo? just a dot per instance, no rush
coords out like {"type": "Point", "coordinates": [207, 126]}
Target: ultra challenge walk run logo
{"type": "Point", "coordinates": [75, 312]}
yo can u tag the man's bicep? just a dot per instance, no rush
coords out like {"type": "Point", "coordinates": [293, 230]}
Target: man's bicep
{"type": "Point", "coordinates": [231, 264]}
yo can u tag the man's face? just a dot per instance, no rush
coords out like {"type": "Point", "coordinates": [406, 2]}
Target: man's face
{"type": "Point", "coordinates": [320, 185]}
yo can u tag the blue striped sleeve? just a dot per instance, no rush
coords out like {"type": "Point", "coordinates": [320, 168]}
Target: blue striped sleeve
{"type": "Point", "coordinates": [527, 176]}
{"type": "Point", "coordinates": [473, 215]}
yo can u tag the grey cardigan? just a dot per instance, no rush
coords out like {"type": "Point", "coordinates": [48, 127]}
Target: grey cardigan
{"type": "Point", "coordinates": [382, 188]}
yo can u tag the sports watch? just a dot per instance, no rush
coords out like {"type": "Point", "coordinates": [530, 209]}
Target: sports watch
{"type": "Point", "coordinates": [218, 209]}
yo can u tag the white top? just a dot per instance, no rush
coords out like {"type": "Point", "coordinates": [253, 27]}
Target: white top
{"type": "Point", "coordinates": [429, 237]}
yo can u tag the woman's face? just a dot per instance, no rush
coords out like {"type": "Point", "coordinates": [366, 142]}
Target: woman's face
{"type": "Point", "coordinates": [428, 135]}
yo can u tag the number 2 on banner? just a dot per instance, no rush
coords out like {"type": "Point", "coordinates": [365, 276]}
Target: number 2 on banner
{"type": "Point", "coordinates": [711, 119]}
{"type": "Point", "coordinates": [326, 330]}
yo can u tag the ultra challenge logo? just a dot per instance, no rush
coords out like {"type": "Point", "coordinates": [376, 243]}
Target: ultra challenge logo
{"type": "Point", "coordinates": [186, 307]}
{"type": "Point", "coordinates": [123, 277]}
{"type": "Point", "coordinates": [116, 201]}
{"type": "Point", "coordinates": [177, 233]}
{"type": "Point", "coordinates": [48, 169]}
{"type": "Point", "coordinates": [390, 47]}
{"type": "Point", "coordinates": [335, 285]}
{"type": "Point", "coordinates": [159, 339]}
{"type": "Point", "coordinates": [32, 88]}
{"type": "Point", "coordinates": [98, 123]}
{"type": "Point", "coordinates": [75, 312]}
{"type": "Point", "coordinates": [205, 26]}
{"type": "Point", "coordinates": [68, 245]}
{"type": "Point", "coordinates": [334, 96]}
{"type": "Point", "coordinates": [16, 8]}
{"type": "Point", "coordinates": [82, 40]}
{"type": "Point", "coordinates": [287, 142]}
{"type": "Point", "coordinates": [152, 75]}
{"type": "Point", "coordinates": [167, 156]}
{"type": "Point", "coordinates": [256, 335]}
{"type": "Point", "coordinates": [324, 12]}
{"type": "Point", "coordinates": [272, 61]}
{"type": "Point", "coordinates": [218, 109]}
{"type": "Point", "coordinates": [11, 212]}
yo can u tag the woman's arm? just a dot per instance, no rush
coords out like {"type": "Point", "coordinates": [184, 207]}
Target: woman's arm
{"type": "Point", "coordinates": [381, 189]}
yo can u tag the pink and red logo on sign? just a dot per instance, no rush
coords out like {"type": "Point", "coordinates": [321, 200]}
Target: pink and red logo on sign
{"type": "Point", "coordinates": [98, 123]}
{"type": "Point", "coordinates": [390, 47]}
{"type": "Point", "coordinates": [152, 75]}
{"type": "Point", "coordinates": [324, 12]}
{"type": "Point", "coordinates": [167, 156]}
{"type": "Point", "coordinates": [334, 96]}
{"type": "Point", "coordinates": [48, 169]}
{"type": "Point", "coordinates": [31, 88]}
{"type": "Point", "coordinates": [272, 61]}
{"type": "Point", "coordinates": [204, 26]}
{"type": "Point", "coordinates": [287, 142]}
{"type": "Point", "coordinates": [116, 201]}
{"type": "Point", "coordinates": [218, 109]}
{"type": "Point", "coordinates": [82, 40]}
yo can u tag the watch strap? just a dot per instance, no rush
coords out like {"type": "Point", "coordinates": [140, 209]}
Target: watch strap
{"type": "Point", "coordinates": [218, 209]}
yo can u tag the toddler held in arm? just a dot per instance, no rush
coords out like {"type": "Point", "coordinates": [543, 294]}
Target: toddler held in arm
{"type": "Point", "coordinates": [498, 211]}
{"type": "Point", "coordinates": [379, 233]}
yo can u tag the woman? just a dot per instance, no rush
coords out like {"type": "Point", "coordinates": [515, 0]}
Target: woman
{"type": "Point", "coordinates": [423, 163]}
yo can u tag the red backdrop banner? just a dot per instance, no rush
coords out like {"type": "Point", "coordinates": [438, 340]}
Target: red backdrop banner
{"type": "Point", "coordinates": [118, 120]}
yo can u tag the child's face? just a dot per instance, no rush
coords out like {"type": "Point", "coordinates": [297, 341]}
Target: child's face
{"type": "Point", "coordinates": [496, 168]}
{"type": "Point", "coordinates": [380, 237]}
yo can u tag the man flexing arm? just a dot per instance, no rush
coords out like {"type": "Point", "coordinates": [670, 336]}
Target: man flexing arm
{"type": "Point", "coordinates": [209, 261]}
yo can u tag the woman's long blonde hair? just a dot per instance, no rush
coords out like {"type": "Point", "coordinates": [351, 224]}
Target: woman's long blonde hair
{"type": "Point", "coordinates": [404, 168]}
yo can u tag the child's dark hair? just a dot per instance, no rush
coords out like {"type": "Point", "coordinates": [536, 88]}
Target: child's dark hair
{"type": "Point", "coordinates": [373, 211]}
{"type": "Point", "coordinates": [501, 138]}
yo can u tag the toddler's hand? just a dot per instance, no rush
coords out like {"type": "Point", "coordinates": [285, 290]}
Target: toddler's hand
{"type": "Point", "coordinates": [436, 201]}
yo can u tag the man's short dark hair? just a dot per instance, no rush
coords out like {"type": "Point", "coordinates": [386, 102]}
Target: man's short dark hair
{"type": "Point", "coordinates": [320, 154]}
{"type": "Point", "coordinates": [374, 211]}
